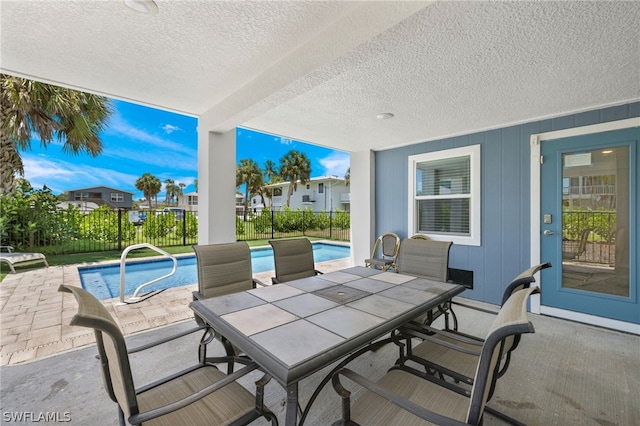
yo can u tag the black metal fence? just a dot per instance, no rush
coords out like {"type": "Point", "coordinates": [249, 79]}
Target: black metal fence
{"type": "Point", "coordinates": [589, 236]}
{"type": "Point", "coordinates": [72, 231]}
{"type": "Point", "coordinates": [282, 224]}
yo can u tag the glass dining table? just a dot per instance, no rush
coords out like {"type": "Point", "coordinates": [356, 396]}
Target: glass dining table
{"type": "Point", "coordinates": [294, 329]}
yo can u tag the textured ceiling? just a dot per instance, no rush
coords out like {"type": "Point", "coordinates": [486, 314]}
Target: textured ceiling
{"type": "Point", "coordinates": [322, 71]}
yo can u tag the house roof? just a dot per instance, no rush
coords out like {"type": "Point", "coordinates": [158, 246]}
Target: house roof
{"type": "Point", "coordinates": [321, 71]}
{"type": "Point", "coordinates": [314, 179]}
{"type": "Point", "coordinates": [98, 187]}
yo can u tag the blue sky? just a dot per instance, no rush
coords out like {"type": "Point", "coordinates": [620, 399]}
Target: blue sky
{"type": "Point", "coordinates": [139, 139]}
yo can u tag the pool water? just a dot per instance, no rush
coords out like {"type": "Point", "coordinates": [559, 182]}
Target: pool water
{"type": "Point", "coordinates": [104, 281]}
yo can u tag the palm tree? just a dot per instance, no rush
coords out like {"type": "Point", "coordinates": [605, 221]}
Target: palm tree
{"type": "Point", "coordinates": [150, 186]}
{"type": "Point", "coordinates": [271, 171]}
{"type": "Point", "coordinates": [172, 191]}
{"type": "Point", "coordinates": [29, 107]}
{"type": "Point", "coordinates": [249, 174]}
{"type": "Point", "coordinates": [347, 177]}
{"type": "Point", "coordinates": [271, 174]}
{"type": "Point", "coordinates": [294, 167]}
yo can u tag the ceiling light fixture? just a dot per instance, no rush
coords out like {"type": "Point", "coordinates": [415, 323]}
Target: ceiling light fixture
{"type": "Point", "coordinates": [608, 151]}
{"type": "Point", "coordinates": [384, 116]}
{"type": "Point", "coordinates": [142, 6]}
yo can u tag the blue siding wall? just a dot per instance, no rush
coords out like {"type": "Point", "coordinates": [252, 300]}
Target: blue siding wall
{"type": "Point", "coordinates": [505, 152]}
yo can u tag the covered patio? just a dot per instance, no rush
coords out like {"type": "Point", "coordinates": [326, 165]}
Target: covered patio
{"type": "Point", "coordinates": [384, 81]}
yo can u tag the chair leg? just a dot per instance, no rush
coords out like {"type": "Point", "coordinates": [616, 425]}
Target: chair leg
{"type": "Point", "coordinates": [503, 416]}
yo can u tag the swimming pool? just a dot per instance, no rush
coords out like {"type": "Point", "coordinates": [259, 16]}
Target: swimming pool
{"type": "Point", "coordinates": [104, 281]}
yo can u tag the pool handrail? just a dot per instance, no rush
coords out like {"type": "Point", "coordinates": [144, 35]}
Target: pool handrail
{"type": "Point", "coordinates": [123, 265]}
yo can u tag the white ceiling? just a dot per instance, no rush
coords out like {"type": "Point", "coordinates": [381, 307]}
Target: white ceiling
{"type": "Point", "coordinates": [320, 71]}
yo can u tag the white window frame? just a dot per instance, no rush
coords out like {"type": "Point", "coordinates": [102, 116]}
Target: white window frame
{"type": "Point", "coordinates": [471, 151]}
{"type": "Point", "coordinates": [117, 197]}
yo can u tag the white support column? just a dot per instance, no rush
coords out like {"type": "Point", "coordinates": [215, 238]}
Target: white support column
{"type": "Point", "coordinates": [216, 186]}
{"type": "Point", "coordinates": [363, 208]}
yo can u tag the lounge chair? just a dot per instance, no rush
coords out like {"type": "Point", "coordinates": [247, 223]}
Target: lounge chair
{"type": "Point", "coordinates": [13, 259]}
{"type": "Point", "coordinates": [406, 396]}
{"type": "Point", "coordinates": [389, 245]}
{"type": "Point", "coordinates": [200, 394]}
{"type": "Point", "coordinates": [293, 259]}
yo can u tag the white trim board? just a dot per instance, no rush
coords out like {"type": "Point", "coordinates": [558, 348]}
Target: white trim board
{"type": "Point", "coordinates": [535, 141]}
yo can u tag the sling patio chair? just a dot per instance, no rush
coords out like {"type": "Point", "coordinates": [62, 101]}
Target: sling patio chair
{"type": "Point", "coordinates": [454, 354]}
{"type": "Point", "coordinates": [8, 256]}
{"type": "Point", "coordinates": [430, 260]}
{"type": "Point", "coordinates": [435, 350]}
{"type": "Point", "coordinates": [293, 259]}
{"type": "Point", "coordinates": [420, 237]}
{"type": "Point", "coordinates": [198, 395]}
{"type": "Point", "coordinates": [223, 269]}
{"type": "Point", "coordinates": [389, 245]}
{"type": "Point", "coordinates": [406, 396]}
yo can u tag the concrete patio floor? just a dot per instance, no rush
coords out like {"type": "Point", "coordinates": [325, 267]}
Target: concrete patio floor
{"type": "Point", "coordinates": [565, 374]}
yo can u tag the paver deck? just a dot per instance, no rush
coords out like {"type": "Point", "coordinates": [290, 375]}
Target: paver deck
{"type": "Point", "coordinates": [34, 316]}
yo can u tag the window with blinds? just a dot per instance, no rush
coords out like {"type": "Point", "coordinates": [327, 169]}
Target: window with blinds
{"type": "Point", "coordinates": [446, 194]}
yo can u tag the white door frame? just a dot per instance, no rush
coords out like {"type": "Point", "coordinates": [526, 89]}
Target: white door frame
{"type": "Point", "coordinates": [536, 139]}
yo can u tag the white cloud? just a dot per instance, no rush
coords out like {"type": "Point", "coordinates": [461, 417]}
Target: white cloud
{"type": "Point", "coordinates": [169, 128]}
{"type": "Point", "coordinates": [286, 141]}
{"type": "Point", "coordinates": [335, 164]}
{"type": "Point", "coordinates": [118, 126]}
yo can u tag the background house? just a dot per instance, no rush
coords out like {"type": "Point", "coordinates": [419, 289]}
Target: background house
{"type": "Point", "coordinates": [325, 193]}
{"type": "Point", "coordinates": [101, 195]}
{"type": "Point", "coordinates": [188, 202]}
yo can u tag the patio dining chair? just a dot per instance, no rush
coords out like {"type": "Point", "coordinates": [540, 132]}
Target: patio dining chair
{"type": "Point", "coordinates": [406, 396]}
{"type": "Point", "coordinates": [200, 394]}
{"type": "Point", "coordinates": [223, 269]}
{"type": "Point", "coordinates": [455, 354]}
{"type": "Point", "coordinates": [439, 348]}
{"type": "Point", "coordinates": [389, 245]}
{"type": "Point", "coordinates": [427, 259]}
{"type": "Point", "coordinates": [293, 259]}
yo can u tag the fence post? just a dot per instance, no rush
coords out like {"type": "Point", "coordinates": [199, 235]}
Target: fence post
{"type": "Point", "coordinates": [119, 229]}
{"type": "Point", "coordinates": [272, 223]}
{"type": "Point", "coordinates": [31, 215]}
{"type": "Point", "coordinates": [184, 227]}
{"type": "Point", "coordinates": [331, 225]}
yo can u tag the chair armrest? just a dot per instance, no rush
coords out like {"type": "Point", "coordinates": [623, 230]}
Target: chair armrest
{"type": "Point", "coordinates": [9, 249]}
{"type": "Point", "coordinates": [274, 280]}
{"type": "Point", "coordinates": [165, 409]}
{"type": "Point", "coordinates": [392, 397]}
{"type": "Point", "coordinates": [453, 346]}
{"type": "Point", "coordinates": [318, 272]}
{"type": "Point", "coordinates": [414, 327]}
{"type": "Point", "coordinates": [166, 339]}
{"type": "Point", "coordinates": [257, 283]}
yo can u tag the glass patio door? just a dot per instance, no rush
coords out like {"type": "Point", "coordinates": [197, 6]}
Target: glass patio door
{"type": "Point", "coordinates": [589, 224]}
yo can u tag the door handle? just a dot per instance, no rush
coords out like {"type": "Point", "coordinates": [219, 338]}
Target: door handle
{"type": "Point", "coordinates": [549, 232]}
